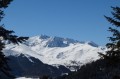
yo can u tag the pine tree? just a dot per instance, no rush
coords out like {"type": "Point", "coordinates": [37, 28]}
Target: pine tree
{"type": "Point", "coordinates": [113, 53]}
{"type": "Point", "coordinates": [6, 35]}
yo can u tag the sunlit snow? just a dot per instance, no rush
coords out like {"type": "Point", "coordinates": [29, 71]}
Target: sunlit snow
{"type": "Point", "coordinates": [75, 53]}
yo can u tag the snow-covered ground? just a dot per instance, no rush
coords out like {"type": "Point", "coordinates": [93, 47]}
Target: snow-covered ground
{"type": "Point", "coordinates": [26, 78]}
{"type": "Point", "coordinates": [56, 51]}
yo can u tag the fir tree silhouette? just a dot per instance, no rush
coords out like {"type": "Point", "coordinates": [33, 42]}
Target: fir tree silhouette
{"type": "Point", "coordinates": [6, 35]}
{"type": "Point", "coordinates": [113, 53]}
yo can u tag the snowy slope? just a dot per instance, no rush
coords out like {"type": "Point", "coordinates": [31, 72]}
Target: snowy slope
{"type": "Point", "coordinates": [56, 50]}
{"type": "Point", "coordinates": [26, 78]}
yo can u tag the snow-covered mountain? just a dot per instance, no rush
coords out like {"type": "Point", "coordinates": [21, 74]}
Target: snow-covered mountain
{"type": "Point", "coordinates": [56, 51]}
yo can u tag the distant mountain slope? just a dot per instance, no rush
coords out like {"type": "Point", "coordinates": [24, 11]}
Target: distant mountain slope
{"type": "Point", "coordinates": [56, 51]}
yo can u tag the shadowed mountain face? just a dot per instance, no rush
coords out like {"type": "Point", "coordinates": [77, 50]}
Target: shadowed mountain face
{"type": "Point", "coordinates": [32, 67]}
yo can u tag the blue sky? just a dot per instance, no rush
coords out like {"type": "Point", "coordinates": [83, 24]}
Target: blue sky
{"type": "Point", "coordinates": [81, 20]}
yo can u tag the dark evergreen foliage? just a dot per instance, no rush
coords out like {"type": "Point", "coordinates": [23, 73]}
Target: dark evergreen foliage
{"type": "Point", "coordinates": [6, 35]}
{"type": "Point", "coordinates": [3, 4]}
{"type": "Point", "coordinates": [44, 77]}
{"type": "Point", "coordinates": [113, 53]}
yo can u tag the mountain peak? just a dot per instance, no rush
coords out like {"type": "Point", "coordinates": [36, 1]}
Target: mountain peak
{"type": "Point", "coordinates": [50, 41]}
{"type": "Point", "coordinates": [55, 41]}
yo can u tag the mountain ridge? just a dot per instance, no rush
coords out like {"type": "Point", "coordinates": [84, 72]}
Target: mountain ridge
{"type": "Point", "coordinates": [56, 50]}
{"type": "Point", "coordinates": [53, 39]}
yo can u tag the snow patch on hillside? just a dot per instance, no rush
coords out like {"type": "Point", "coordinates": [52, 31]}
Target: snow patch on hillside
{"type": "Point", "coordinates": [26, 78]}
